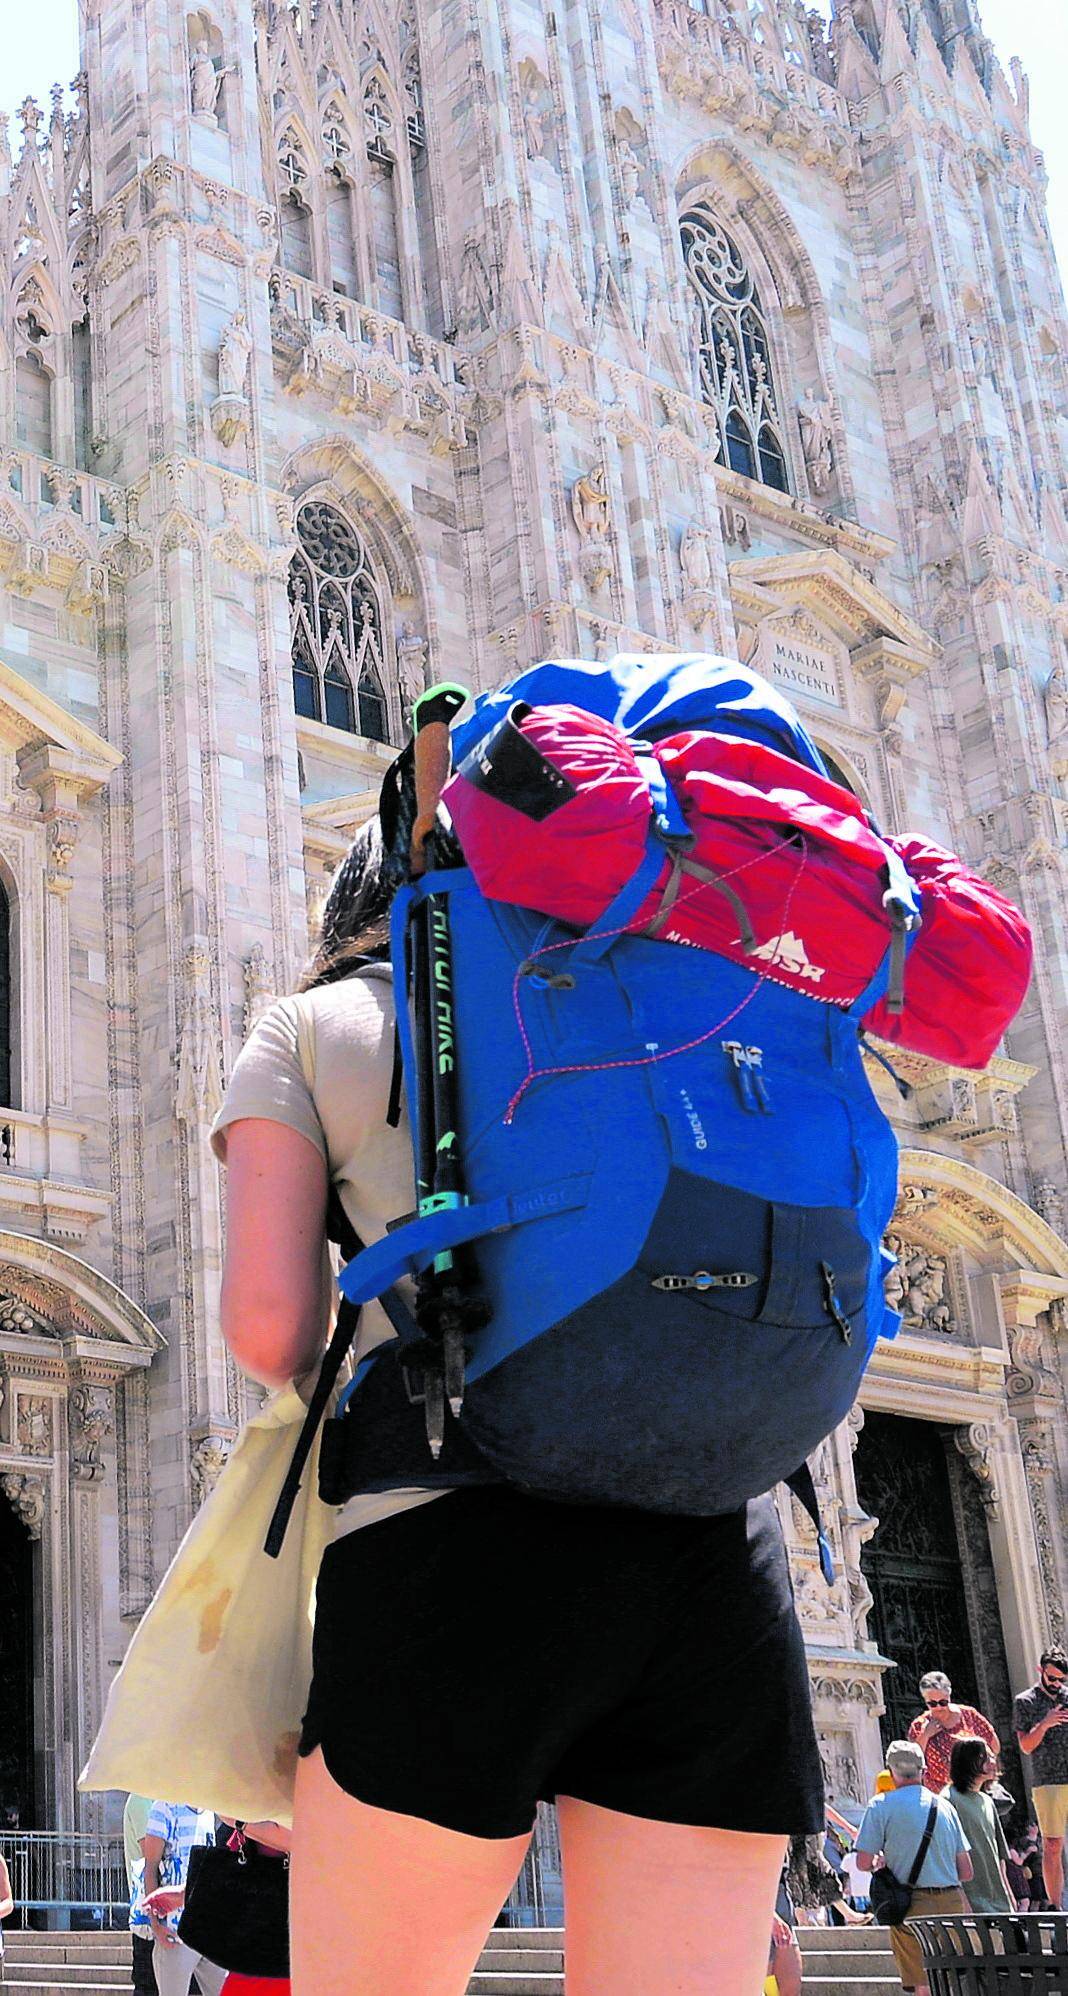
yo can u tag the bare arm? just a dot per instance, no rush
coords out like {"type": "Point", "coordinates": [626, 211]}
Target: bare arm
{"type": "Point", "coordinates": [7, 1903]}
{"type": "Point", "coordinates": [865, 1860]}
{"type": "Point", "coordinates": [274, 1292]}
{"type": "Point", "coordinates": [154, 1848]}
{"type": "Point", "coordinates": [1058, 1716]}
{"type": "Point", "coordinates": [965, 1867]}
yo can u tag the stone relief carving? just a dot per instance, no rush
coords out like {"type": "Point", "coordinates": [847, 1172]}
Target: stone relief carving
{"type": "Point", "coordinates": [207, 1460]}
{"type": "Point", "coordinates": [838, 1758]}
{"type": "Point", "coordinates": [1055, 702]}
{"type": "Point", "coordinates": [28, 1497]}
{"type": "Point", "coordinates": [14, 1317]}
{"type": "Point", "coordinates": [1036, 1438]}
{"type": "Point", "coordinates": [817, 442]}
{"type": "Point", "coordinates": [230, 410]}
{"type": "Point", "coordinates": [198, 1091]}
{"type": "Point", "coordinates": [90, 1419]}
{"type": "Point", "coordinates": [917, 1287]}
{"type": "Point", "coordinates": [1049, 1204]}
{"type": "Point", "coordinates": [259, 992]}
{"type": "Point", "coordinates": [590, 512]}
{"type": "Point", "coordinates": [33, 1425]}
{"type": "Point", "coordinates": [735, 527]}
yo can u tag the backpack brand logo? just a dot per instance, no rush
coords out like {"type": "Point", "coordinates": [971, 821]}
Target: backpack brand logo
{"type": "Point", "coordinates": [788, 952]}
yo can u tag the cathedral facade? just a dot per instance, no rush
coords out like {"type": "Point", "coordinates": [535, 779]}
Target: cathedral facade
{"type": "Point", "coordinates": [348, 344]}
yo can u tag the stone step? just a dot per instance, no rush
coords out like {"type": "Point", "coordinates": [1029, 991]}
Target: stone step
{"type": "Point", "coordinates": [844, 1940]}
{"type": "Point", "coordinates": [523, 1961]}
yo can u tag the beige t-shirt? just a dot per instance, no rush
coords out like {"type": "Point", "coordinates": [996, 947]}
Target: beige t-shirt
{"type": "Point", "coordinates": [322, 1063]}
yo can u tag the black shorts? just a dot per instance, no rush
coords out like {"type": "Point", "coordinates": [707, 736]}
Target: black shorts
{"type": "Point", "coordinates": [490, 1649]}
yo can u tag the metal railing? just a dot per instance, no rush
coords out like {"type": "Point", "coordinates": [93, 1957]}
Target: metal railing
{"type": "Point", "coordinates": [537, 1897]}
{"type": "Point", "coordinates": [73, 1879]}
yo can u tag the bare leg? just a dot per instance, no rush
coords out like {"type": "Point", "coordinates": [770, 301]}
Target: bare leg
{"type": "Point", "coordinates": [383, 1904]}
{"type": "Point", "coordinates": [1053, 1870]}
{"type": "Point", "coordinates": [660, 1906]}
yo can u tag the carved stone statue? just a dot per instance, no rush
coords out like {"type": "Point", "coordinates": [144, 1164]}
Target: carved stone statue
{"type": "Point", "coordinates": [1055, 701]}
{"type": "Point", "coordinates": [695, 558]}
{"type": "Point", "coordinates": [589, 504]}
{"type": "Point", "coordinates": [817, 442]}
{"type": "Point", "coordinates": [589, 510]}
{"type": "Point", "coordinates": [235, 351]}
{"type": "Point", "coordinates": [411, 664]}
{"type": "Point", "coordinates": [205, 80]}
{"type": "Point", "coordinates": [230, 410]}
{"type": "Point", "coordinates": [533, 114]}
{"type": "Point", "coordinates": [630, 171]}
{"type": "Point", "coordinates": [980, 346]}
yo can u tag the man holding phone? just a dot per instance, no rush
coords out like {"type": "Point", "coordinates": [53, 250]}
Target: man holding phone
{"type": "Point", "coordinates": [1039, 1718]}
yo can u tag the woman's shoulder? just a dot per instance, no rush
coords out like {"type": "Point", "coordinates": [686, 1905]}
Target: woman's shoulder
{"type": "Point", "coordinates": [351, 1008]}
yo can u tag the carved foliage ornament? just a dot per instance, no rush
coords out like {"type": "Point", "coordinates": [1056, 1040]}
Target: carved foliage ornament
{"type": "Point", "coordinates": [28, 1497]}
{"type": "Point", "coordinates": [90, 1416]}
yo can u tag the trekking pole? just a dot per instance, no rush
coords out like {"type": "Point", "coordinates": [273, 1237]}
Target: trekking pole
{"type": "Point", "coordinates": [446, 1307]}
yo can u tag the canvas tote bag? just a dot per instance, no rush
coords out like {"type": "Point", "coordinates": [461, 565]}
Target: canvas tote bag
{"type": "Point", "coordinates": [207, 1706]}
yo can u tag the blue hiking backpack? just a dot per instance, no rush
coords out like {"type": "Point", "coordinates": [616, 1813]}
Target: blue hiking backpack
{"type": "Point", "coordinates": [678, 1226]}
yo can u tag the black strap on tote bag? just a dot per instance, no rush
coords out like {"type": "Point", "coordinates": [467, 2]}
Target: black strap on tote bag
{"type": "Point", "coordinates": [891, 1898]}
{"type": "Point", "coordinates": [237, 1907]}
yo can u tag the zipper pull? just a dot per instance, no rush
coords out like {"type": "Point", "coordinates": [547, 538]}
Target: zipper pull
{"type": "Point", "coordinates": [833, 1307]}
{"type": "Point", "coordinates": [755, 1058]}
{"type": "Point", "coordinates": [743, 1078]}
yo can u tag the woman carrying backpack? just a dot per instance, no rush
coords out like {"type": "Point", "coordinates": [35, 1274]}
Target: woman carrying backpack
{"type": "Point", "coordinates": [476, 1649]}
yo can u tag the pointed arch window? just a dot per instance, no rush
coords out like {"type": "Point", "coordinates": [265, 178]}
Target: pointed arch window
{"type": "Point", "coordinates": [733, 350]}
{"type": "Point", "coordinates": [339, 674]}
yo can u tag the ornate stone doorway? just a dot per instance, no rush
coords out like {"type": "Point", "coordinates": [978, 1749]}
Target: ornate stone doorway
{"type": "Point", "coordinates": [17, 1798]}
{"type": "Point", "coordinates": [929, 1568]}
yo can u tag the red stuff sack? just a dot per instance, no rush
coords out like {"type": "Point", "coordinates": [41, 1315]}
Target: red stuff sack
{"type": "Point", "coordinates": [777, 868]}
{"type": "Point", "coordinates": [969, 967]}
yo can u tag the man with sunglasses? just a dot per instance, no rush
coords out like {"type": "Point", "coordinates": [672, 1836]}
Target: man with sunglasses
{"type": "Point", "coordinates": [1040, 1719]}
{"type": "Point", "coordinates": [942, 1724]}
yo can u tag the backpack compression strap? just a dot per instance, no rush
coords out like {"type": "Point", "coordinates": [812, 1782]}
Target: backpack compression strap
{"type": "Point", "coordinates": [805, 1491]}
{"type": "Point", "coordinates": [339, 1228]}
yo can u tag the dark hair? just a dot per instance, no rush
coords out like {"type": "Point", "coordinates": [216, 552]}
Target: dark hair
{"type": "Point", "coordinates": [355, 924]}
{"type": "Point", "coordinates": [1056, 1656]}
{"type": "Point", "coordinates": [967, 1761]}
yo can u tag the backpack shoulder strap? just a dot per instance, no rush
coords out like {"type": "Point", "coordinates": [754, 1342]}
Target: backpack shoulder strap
{"type": "Point", "coordinates": [925, 1843]}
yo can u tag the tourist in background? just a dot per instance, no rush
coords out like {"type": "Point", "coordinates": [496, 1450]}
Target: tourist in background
{"type": "Point", "coordinates": [941, 1723]}
{"type": "Point", "coordinates": [1039, 1718]}
{"type": "Point", "coordinates": [172, 1831]}
{"type": "Point", "coordinates": [892, 1828]}
{"type": "Point", "coordinates": [988, 1890]}
{"type": "Point", "coordinates": [134, 1824]}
